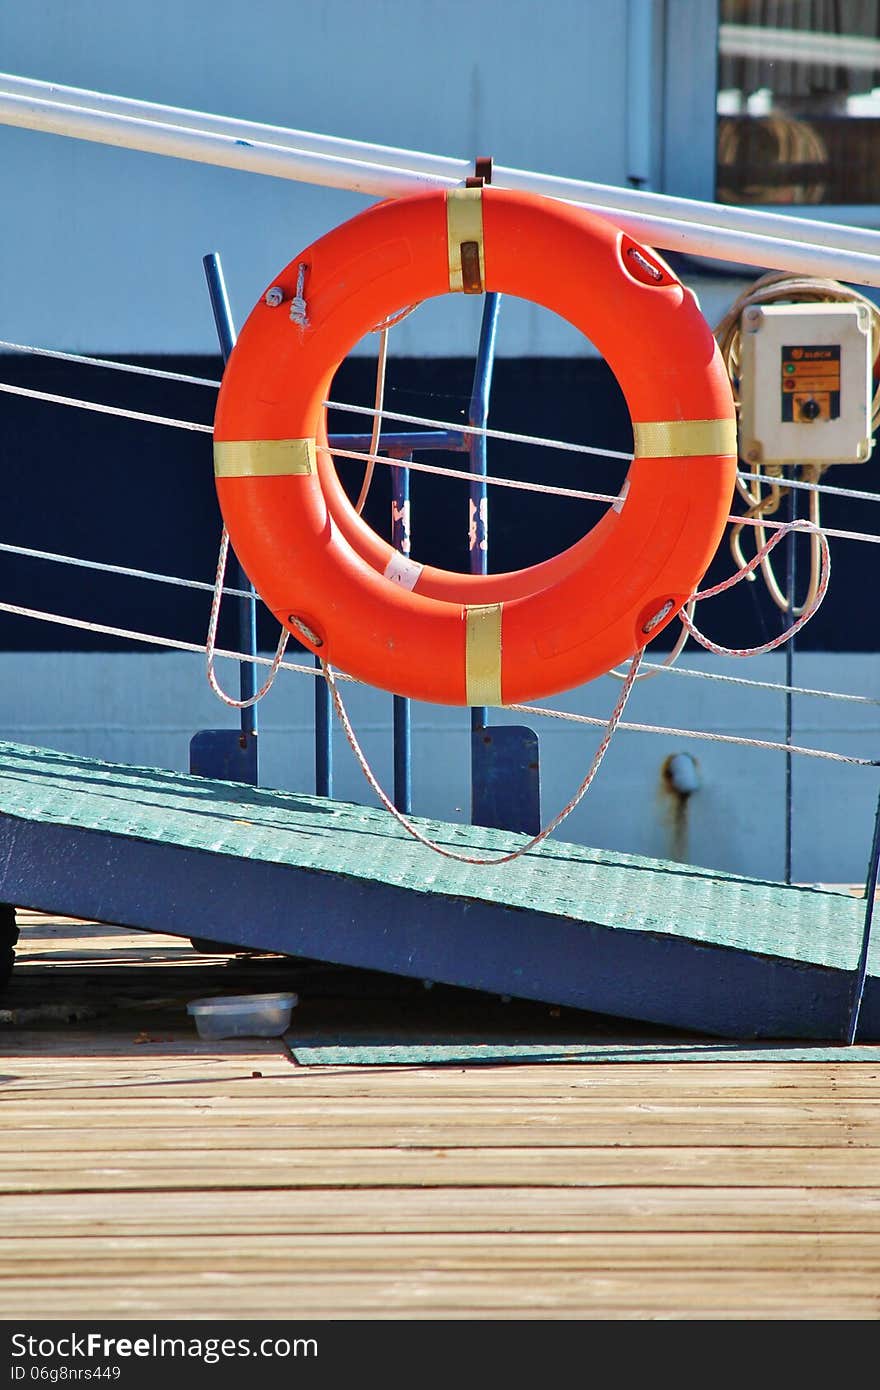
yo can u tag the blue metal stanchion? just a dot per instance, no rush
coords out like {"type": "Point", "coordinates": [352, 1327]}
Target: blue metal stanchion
{"type": "Point", "coordinates": [505, 774]}
{"type": "Point", "coordinates": [222, 752]}
{"type": "Point", "coordinates": [401, 540]}
{"type": "Point", "coordinates": [790, 585]}
{"type": "Point", "coordinates": [861, 971]}
{"type": "Point", "coordinates": [400, 443]}
{"type": "Point", "coordinates": [323, 737]}
{"type": "Point", "coordinates": [478, 415]}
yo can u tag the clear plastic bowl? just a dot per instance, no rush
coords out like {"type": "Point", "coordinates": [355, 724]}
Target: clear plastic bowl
{"type": "Point", "coordinates": [243, 1015]}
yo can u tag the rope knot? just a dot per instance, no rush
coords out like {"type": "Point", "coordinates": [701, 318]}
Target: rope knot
{"type": "Point", "coordinates": [298, 310]}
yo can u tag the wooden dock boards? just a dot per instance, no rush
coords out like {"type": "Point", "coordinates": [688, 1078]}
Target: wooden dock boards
{"type": "Point", "coordinates": [326, 880]}
{"type": "Point", "coordinates": [146, 1173]}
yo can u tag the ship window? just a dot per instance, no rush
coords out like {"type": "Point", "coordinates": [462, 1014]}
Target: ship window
{"type": "Point", "coordinates": [798, 111]}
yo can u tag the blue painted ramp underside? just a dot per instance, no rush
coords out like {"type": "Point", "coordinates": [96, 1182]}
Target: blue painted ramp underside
{"type": "Point", "coordinates": [311, 877]}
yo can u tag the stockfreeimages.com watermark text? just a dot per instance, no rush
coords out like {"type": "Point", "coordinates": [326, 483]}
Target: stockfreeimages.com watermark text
{"type": "Point", "coordinates": [95, 1346]}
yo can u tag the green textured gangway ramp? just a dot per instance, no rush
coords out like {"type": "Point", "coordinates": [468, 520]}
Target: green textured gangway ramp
{"type": "Point", "coordinates": [613, 933]}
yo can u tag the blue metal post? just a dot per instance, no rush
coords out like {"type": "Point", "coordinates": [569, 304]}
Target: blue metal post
{"type": "Point", "coordinates": [400, 443]}
{"type": "Point", "coordinates": [401, 540]}
{"type": "Point", "coordinates": [323, 737]}
{"type": "Point", "coordinates": [478, 415]}
{"type": "Point", "coordinates": [505, 771]}
{"type": "Point", "coordinates": [861, 971]}
{"type": "Point", "coordinates": [247, 608]}
{"type": "Point", "coordinates": [790, 586]}
{"type": "Point", "coordinates": [223, 752]}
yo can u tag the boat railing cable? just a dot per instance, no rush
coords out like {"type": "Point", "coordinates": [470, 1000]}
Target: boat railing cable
{"type": "Point", "coordinates": [594, 721]}
{"type": "Point", "coordinates": [565, 446]}
{"type": "Point", "coordinates": [551, 489]}
{"type": "Point", "coordinates": [128, 572]}
{"type": "Point", "coordinates": [82, 360]}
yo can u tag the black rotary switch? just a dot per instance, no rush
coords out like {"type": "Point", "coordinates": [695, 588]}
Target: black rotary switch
{"type": "Point", "coordinates": [810, 409]}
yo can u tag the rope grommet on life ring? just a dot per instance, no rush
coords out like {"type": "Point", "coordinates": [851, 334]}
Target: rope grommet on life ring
{"type": "Point", "coordinates": [433, 634]}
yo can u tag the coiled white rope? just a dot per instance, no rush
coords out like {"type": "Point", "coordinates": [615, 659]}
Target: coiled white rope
{"type": "Point", "coordinates": [824, 579]}
{"type": "Point", "coordinates": [785, 288]}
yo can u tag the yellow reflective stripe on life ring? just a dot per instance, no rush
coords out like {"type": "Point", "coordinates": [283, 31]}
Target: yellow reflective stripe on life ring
{"type": "Point", "coordinates": [683, 438]}
{"type": "Point", "coordinates": [264, 458]}
{"type": "Point", "coordinates": [483, 654]}
{"type": "Point", "coordinates": [464, 235]}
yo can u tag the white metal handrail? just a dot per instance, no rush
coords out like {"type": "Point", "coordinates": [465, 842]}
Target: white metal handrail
{"type": "Point", "coordinates": [812, 231]}
{"type": "Point", "coordinates": [703, 229]}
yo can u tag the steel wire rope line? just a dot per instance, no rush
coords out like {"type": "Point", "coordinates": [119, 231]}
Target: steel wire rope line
{"type": "Point", "coordinates": [176, 644]}
{"type": "Point", "coordinates": [81, 360]}
{"type": "Point", "coordinates": [564, 446]}
{"type": "Point", "coordinates": [157, 372]}
{"type": "Point", "coordinates": [127, 572]}
{"type": "Point", "coordinates": [578, 493]}
{"type": "Point", "coordinates": [372, 457]}
{"type": "Point", "coordinates": [75, 403]}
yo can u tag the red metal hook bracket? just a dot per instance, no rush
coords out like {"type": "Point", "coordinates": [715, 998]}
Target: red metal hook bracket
{"type": "Point", "coordinates": [482, 172]}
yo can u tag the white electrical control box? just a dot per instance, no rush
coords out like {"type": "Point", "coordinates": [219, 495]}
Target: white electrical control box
{"type": "Point", "coordinates": [805, 383]}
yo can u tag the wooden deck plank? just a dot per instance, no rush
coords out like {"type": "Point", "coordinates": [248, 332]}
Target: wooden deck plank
{"type": "Point", "coordinates": [32, 1114]}
{"type": "Point", "coordinates": [292, 1211]}
{"type": "Point", "coordinates": [145, 1173]}
{"type": "Point", "coordinates": [449, 1167]}
{"type": "Point", "coordinates": [618, 1127]}
{"type": "Point", "coordinates": [243, 1088]}
{"type": "Point", "coordinates": [456, 1295]}
{"type": "Point", "coordinates": [265, 1254]}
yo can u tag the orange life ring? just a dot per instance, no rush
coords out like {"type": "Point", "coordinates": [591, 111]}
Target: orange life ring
{"type": "Point", "coordinates": [431, 634]}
